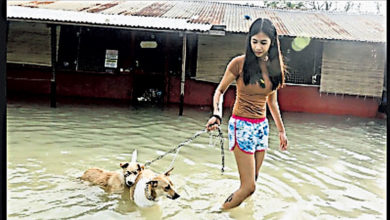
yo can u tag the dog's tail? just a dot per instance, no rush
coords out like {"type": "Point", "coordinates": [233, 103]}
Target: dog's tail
{"type": "Point", "coordinates": [134, 156]}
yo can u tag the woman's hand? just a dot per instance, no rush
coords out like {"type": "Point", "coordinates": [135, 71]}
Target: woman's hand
{"type": "Point", "coordinates": [283, 140]}
{"type": "Point", "coordinates": [213, 123]}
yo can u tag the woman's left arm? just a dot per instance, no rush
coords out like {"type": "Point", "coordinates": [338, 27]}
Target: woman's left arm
{"type": "Point", "coordinates": [274, 108]}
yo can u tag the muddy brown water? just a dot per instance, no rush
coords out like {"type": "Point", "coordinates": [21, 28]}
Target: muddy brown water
{"type": "Point", "coordinates": [335, 167]}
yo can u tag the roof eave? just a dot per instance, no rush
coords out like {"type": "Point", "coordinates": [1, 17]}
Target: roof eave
{"type": "Point", "coordinates": [86, 24]}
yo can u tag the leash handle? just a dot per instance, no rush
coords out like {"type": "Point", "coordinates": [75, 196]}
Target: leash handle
{"type": "Point", "coordinates": [215, 123]}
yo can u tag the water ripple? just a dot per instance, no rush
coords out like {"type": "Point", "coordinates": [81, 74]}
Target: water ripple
{"type": "Point", "coordinates": [335, 167]}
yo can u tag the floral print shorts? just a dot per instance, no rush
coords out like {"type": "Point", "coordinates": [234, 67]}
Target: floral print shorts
{"type": "Point", "coordinates": [250, 135]}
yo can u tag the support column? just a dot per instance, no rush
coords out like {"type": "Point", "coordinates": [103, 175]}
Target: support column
{"type": "Point", "coordinates": [3, 102]}
{"type": "Point", "coordinates": [132, 67]}
{"type": "Point", "coordinates": [183, 73]}
{"type": "Point", "coordinates": [166, 69]}
{"type": "Point", "coordinates": [53, 85]}
{"type": "Point", "coordinates": [78, 48]}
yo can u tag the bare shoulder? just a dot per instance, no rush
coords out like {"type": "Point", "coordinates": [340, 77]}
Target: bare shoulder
{"type": "Point", "coordinates": [239, 58]}
{"type": "Point", "coordinates": [235, 65]}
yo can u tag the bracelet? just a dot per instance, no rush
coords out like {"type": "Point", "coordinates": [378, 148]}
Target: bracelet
{"type": "Point", "coordinates": [218, 117]}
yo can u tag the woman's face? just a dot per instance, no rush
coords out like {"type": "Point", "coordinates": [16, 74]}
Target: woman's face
{"type": "Point", "coordinates": [260, 44]}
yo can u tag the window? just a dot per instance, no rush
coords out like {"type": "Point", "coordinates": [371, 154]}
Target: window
{"type": "Point", "coordinates": [303, 62]}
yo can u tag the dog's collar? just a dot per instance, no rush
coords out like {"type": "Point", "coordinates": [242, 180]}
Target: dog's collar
{"type": "Point", "coordinates": [138, 176]}
{"type": "Point", "coordinates": [147, 195]}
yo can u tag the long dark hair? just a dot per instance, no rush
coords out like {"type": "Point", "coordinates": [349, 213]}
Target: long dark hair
{"type": "Point", "coordinates": [275, 65]}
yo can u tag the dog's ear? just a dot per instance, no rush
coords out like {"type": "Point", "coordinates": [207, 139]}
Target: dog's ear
{"type": "Point", "coordinates": [153, 183]}
{"type": "Point", "coordinates": [124, 165]}
{"type": "Point", "coordinates": [140, 167]}
{"type": "Point", "coordinates": [168, 173]}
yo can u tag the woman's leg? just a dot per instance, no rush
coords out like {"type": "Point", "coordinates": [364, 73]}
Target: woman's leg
{"type": "Point", "coordinates": [246, 169]}
{"type": "Point", "coordinates": [259, 157]}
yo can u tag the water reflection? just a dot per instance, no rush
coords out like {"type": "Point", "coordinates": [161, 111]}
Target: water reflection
{"type": "Point", "coordinates": [335, 167]}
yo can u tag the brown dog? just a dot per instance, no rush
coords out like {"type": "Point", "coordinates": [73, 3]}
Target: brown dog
{"type": "Point", "coordinates": [149, 186]}
{"type": "Point", "coordinates": [114, 182]}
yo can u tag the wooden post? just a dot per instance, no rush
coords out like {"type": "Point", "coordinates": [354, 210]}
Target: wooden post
{"type": "Point", "coordinates": [53, 86]}
{"type": "Point", "coordinates": [6, 33]}
{"type": "Point", "coordinates": [183, 73]}
{"type": "Point", "coordinates": [132, 67]}
{"type": "Point", "coordinates": [166, 69]}
{"type": "Point", "coordinates": [78, 48]}
{"type": "Point", "coordinates": [3, 97]}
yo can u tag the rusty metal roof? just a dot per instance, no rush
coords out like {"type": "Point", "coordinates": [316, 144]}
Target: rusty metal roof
{"type": "Point", "coordinates": [200, 15]}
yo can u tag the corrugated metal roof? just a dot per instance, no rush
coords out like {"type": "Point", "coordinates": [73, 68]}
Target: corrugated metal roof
{"type": "Point", "coordinates": [128, 7]}
{"type": "Point", "coordinates": [82, 17]}
{"type": "Point", "coordinates": [183, 15]}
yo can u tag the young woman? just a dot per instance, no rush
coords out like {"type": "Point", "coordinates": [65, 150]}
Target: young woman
{"type": "Point", "coordinates": [258, 74]}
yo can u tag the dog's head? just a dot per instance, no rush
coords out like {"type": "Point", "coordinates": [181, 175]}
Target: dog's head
{"type": "Point", "coordinates": [131, 170]}
{"type": "Point", "coordinates": [161, 184]}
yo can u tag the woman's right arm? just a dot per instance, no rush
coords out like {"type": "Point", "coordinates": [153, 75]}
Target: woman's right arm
{"type": "Point", "coordinates": [227, 79]}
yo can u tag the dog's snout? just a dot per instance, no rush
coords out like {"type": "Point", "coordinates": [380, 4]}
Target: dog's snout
{"type": "Point", "coordinates": [129, 183]}
{"type": "Point", "coordinates": [175, 196]}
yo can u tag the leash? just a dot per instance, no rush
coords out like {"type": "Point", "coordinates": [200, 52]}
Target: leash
{"type": "Point", "coordinates": [189, 140]}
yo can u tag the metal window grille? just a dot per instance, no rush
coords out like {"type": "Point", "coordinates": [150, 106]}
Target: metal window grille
{"type": "Point", "coordinates": [301, 78]}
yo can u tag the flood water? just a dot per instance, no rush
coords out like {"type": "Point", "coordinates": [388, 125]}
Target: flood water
{"type": "Point", "coordinates": [335, 167]}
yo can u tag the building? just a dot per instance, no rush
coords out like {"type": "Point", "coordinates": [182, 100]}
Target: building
{"type": "Point", "coordinates": [129, 50]}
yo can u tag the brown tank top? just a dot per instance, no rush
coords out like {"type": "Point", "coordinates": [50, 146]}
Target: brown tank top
{"type": "Point", "coordinates": [251, 99]}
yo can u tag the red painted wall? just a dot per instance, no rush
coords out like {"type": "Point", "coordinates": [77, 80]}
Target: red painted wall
{"type": "Point", "coordinates": [297, 98]}
{"type": "Point", "coordinates": [91, 85]}
{"type": "Point", "coordinates": [94, 85]}
{"type": "Point", "coordinates": [198, 93]}
{"type": "Point", "coordinates": [293, 98]}
{"type": "Point", "coordinates": [28, 81]}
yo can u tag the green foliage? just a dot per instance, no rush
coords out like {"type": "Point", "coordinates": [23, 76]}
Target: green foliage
{"type": "Point", "coordinates": [313, 5]}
